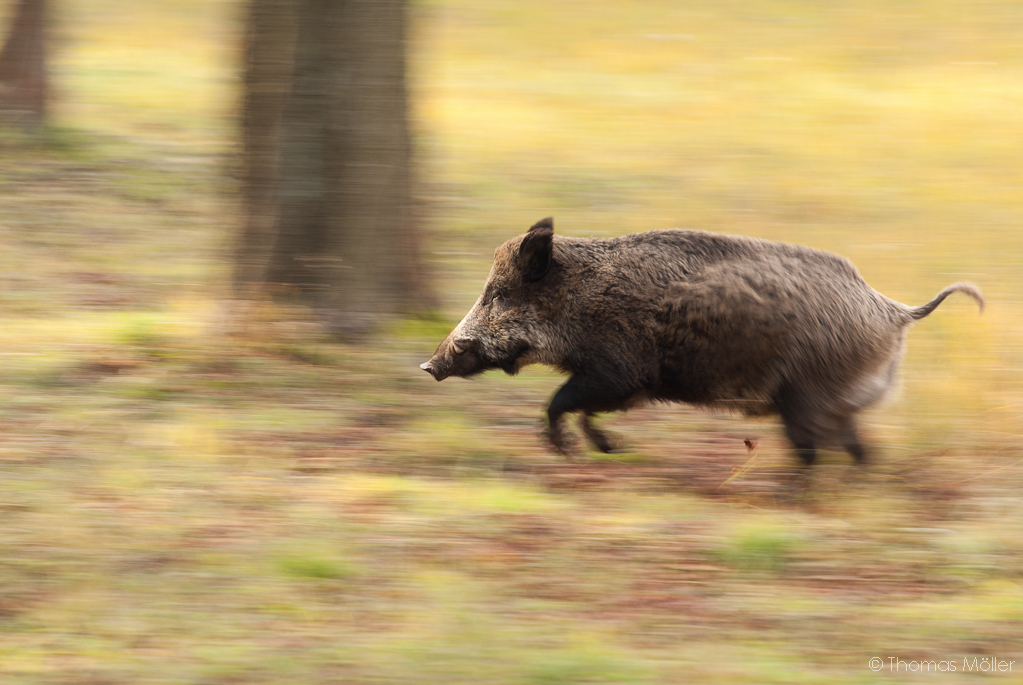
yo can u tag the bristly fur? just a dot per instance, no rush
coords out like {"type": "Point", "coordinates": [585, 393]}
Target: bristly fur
{"type": "Point", "coordinates": [712, 320]}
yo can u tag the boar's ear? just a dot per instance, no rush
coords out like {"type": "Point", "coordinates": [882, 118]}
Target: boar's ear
{"type": "Point", "coordinates": [535, 250]}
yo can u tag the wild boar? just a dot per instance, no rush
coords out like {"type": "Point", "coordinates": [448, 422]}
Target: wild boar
{"type": "Point", "coordinates": [718, 321]}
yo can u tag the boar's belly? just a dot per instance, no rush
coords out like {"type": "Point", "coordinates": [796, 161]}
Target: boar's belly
{"type": "Point", "coordinates": [736, 382]}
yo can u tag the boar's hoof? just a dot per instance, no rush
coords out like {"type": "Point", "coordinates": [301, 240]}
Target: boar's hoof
{"type": "Point", "coordinates": [560, 440]}
{"type": "Point", "coordinates": [604, 441]}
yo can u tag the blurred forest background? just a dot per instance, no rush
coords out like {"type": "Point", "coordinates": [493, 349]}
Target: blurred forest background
{"type": "Point", "coordinates": [204, 479]}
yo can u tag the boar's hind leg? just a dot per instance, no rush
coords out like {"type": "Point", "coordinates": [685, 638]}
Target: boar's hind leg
{"type": "Point", "coordinates": [604, 441]}
{"type": "Point", "coordinates": [800, 422]}
{"type": "Point", "coordinates": [590, 395]}
{"type": "Point", "coordinates": [848, 439]}
{"type": "Point", "coordinates": [845, 435]}
{"type": "Point", "coordinates": [806, 450]}
{"type": "Point", "coordinates": [805, 423]}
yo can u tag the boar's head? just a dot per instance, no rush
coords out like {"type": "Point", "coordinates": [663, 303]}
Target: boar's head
{"type": "Point", "coordinates": [507, 327]}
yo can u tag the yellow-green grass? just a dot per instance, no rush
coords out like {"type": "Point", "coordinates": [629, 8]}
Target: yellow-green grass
{"type": "Point", "coordinates": [181, 505]}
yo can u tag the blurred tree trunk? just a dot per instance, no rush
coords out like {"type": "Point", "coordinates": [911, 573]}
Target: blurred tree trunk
{"type": "Point", "coordinates": [23, 74]}
{"type": "Point", "coordinates": [344, 239]}
{"type": "Point", "coordinates": [269, 44]}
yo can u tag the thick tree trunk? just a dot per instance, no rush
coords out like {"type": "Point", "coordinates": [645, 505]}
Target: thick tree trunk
{"type": "Point", "coordinates": [23, 73]}
{"type": "Point", "coordinates": [345, 241]}
{"type": "Point", "coordinates": [269, 46]}
{"type": "Point", "coordinates": [299, 257]}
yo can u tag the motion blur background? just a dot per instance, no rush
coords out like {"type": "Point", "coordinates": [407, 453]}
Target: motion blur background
{"type": "Point", "coordinates": [205, 481]}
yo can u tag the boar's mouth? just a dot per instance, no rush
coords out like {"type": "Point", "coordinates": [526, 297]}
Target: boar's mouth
{"type": "Point", "coordinates": [510, 365]}
{"type": "Point", "coordinates": [459, 359]}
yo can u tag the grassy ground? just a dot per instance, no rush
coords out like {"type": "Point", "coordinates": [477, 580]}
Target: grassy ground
{"type": "Point", "coordinates": [180, 506]}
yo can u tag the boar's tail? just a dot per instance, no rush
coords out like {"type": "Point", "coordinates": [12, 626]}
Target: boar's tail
{"type": "Point", "coordinates": [968, 288]}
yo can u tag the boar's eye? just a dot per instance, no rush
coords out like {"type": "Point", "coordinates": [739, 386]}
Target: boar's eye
{"type": "Point", "coordinates": [498, 298]}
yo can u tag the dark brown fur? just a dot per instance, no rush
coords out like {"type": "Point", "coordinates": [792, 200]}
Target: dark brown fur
{"type": "Point", "coordinates": [711, 320]}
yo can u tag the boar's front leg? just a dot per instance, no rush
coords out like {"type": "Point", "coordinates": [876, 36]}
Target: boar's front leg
{"type": "Point", "coordinates": [589, 394]}
{"type": "Point", "coordinates": [604, 441]}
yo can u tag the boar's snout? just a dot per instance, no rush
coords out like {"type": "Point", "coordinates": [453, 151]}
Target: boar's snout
{"type": "Point", "coordinates": [429, 368]}
{"type": "Point", "coordinates": [453, 358]}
